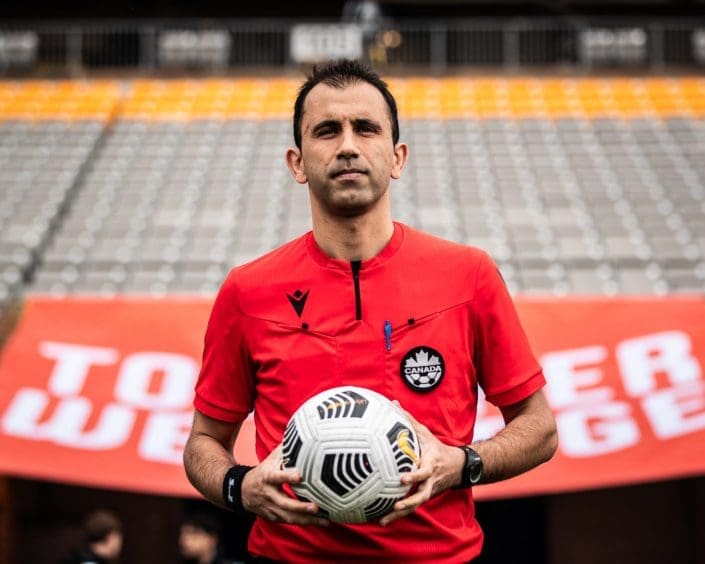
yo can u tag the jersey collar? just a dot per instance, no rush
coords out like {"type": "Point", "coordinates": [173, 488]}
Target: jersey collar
{"type": "Point", "coordinates": [386, 253]}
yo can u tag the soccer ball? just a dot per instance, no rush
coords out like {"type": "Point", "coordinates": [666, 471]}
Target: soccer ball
{"type": "Point", "coordinates": [350, 445]}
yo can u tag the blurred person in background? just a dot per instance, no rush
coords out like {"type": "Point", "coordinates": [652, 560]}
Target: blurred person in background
{"type": "Point", "coordinates": [199, 540]}
{"type": "Point", "coordinates": [102, 540]}
{"type": "Point", "coordinates": [368, 16]}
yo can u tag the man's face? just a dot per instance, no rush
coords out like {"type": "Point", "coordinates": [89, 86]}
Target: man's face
{"type": "Point", "coordinates": [347, 156]}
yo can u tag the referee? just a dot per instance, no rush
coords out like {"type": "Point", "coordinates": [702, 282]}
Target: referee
{"type": "Point", "coordinates": [364, 300]}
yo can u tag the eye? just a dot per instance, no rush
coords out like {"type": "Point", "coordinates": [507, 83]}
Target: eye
{"type": "Point", "coordinates": [367, 128]}
{"type": "Point", "coordinates": [326, 130]}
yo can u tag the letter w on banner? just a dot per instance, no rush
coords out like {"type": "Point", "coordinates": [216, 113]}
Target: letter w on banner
{"type": "Point", "coordinates": [100, 392]}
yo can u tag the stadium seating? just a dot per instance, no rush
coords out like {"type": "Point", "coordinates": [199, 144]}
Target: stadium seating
{"type": "Point", "coordinates": [575, 186]}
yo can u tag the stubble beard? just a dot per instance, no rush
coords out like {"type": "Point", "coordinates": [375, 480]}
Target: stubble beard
{"type": "Point", "coordinates": [347, 202]}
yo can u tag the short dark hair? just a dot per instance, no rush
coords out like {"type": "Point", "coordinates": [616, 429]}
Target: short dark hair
{"type": "Point", "coordinates": [99, 524]}
{"type": "Point", "coordinates": [339, 74]}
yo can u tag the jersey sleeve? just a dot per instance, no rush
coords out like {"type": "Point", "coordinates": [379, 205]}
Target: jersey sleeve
{"type": "Point", "coordinates": [225, 386]}
{"type": "Point", "coordinates": [507, 370]}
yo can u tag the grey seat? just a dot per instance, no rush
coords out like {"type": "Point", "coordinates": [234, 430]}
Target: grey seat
{"type": "Point", "coordinates": [566, 205]}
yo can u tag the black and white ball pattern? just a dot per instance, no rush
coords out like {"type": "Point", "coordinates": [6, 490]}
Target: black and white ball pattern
{"type": "Point", "coordinates": [351, 445]}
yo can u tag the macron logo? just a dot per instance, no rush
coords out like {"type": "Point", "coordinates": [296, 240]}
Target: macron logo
{"type": "Point", "coordinates": [298, 301]}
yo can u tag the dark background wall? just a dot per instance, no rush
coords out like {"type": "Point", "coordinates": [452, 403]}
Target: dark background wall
{"type": "Point", "coordinates": [652, 523]}
{"type": "Point", "coordinates": [47, 9]}
{"type": "Point", "coordinates": [644, 524]}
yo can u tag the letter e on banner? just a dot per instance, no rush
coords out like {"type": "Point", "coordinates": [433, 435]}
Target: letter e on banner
{"type": "Point", "coordinates": [677, 411]}
{"type": "Point", "coordinates": [165, 436]}
{"type": "Point", "coordinates": [569, 378]}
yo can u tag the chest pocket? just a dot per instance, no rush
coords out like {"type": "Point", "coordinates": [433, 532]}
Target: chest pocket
{"type": "Point", "coordinates": [293, 364]}
{"type": "Point", "coordinates": [429, 369]}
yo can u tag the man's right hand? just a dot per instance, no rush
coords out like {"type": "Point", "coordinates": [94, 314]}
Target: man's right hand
{"type": "Point", "coordinates": [263, 495]}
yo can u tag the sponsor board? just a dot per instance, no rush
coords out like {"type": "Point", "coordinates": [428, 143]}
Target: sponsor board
{"type": "Point", "coordinates": [100, 392]}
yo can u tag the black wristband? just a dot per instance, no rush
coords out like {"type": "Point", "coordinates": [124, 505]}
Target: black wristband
{"type": "Point", "coordinates": [232, 487]}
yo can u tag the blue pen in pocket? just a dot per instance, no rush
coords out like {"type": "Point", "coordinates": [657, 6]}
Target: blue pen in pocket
{"type": "Point", "coordinates": [388, 335]}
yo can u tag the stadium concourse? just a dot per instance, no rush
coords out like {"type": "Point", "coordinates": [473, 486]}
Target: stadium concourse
{"type": "Point", "coordinates": [589, 192]}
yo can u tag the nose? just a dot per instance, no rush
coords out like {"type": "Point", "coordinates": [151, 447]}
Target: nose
{"type": "Point", "coordinates": [348, 148]}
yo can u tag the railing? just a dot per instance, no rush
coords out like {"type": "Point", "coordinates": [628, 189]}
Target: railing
{"type": "Point", "coordinates": [221, 46]}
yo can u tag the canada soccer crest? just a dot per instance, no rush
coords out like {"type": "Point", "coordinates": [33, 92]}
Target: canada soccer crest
{"type": "Point", "coordinates": [422, 369]}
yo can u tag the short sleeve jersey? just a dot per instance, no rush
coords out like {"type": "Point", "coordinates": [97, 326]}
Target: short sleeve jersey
{"type": "Point", "coordinates": [296, 322]}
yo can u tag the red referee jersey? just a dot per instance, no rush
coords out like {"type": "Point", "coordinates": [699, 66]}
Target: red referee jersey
{"type": "Point", "coordinates": [425, 322]}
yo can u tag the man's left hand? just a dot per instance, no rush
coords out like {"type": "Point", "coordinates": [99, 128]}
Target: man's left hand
{"type": "Point", "coordinates": [440, 467]}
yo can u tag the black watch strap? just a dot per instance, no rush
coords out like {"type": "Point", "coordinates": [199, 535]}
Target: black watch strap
{"type": "Point", "coordinates": [472, 469]}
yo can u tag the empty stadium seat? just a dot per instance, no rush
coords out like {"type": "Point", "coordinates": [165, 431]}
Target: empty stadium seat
{"type": "Point", "coordinates": [575, 186]}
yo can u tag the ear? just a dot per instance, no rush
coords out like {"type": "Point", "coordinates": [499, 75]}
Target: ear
{"type": "Point", "coordinates": [296, 165]}
{"type": "Point", "coordinates": [401, 152]}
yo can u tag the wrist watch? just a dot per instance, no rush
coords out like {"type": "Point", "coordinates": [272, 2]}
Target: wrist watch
{"type": "Point", "coordinates": [472, 469]}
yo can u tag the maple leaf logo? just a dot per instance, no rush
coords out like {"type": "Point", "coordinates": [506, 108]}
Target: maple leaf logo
{"type": "Point", "coordinates": [422, 359]}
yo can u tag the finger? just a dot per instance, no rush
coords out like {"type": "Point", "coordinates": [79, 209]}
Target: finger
{"type": "Point", "coordinates": [421, 495]}
{"type": "Point", "coordinates": [279, 477]}
{"type": "Point", "coordinates": [285, 501]}
{"type": "Point", "coordinates": [274, 458]}
{"type": "Point", "coordinates": [294, 518]}
{"type": "Point", "coordinates": [294, 505]}
{"type": "Point", "coordinates": [268, 514]}
{"type": "Point", "coordinates": [415, 476]}
{"type": "Point", "coordinates": [409, 504]}
{"type": "Point", "coordinates": [394, 515]}
{"type": "Point", "coordinates": [277, 509]}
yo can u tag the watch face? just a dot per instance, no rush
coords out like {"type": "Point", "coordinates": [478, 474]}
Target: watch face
{"type": "Point", "coordinates": [476, 471]}
{"type": "Point", "coordinates": [474, 466]}
{"type": "Point", "coordinates": [472, 469]}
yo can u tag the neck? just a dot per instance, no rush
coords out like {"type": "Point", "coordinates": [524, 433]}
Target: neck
{"type": "Point", "coordinates": [355, 238]}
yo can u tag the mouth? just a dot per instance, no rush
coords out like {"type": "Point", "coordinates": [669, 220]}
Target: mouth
{"type": "Point", "coordinates": [349, 174]}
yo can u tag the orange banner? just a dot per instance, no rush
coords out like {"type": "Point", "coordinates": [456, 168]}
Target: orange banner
{"type": "Point", "coordinates": [99, 392]}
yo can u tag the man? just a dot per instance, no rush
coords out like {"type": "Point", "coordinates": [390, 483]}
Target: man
{"type": "Point", "coordinates": [199, 540]}
{"type": "Point", "coordinates": [102, 533]}
{"type": "Point", "coordinates": [360, 300]}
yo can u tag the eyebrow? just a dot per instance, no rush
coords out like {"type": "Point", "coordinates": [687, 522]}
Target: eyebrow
{"type": "Point", "coordinates": [367, 123]}
{"type": "Point", "coordinates": [335, 124]}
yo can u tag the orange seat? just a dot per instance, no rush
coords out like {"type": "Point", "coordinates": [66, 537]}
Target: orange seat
{"type": "Point", "coordinates": [418, 97]}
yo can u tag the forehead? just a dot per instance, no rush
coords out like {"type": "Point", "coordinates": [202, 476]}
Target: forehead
{"type": "Point", "coordinates": [354, 101]}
